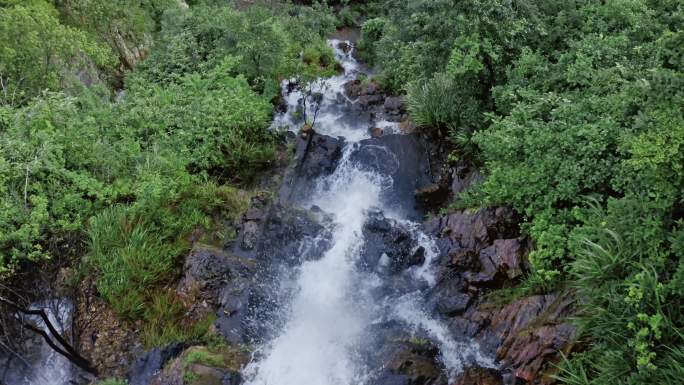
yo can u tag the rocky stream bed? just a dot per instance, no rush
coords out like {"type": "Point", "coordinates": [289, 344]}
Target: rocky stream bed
{"type": "Point", "coordinates": [336, 277]}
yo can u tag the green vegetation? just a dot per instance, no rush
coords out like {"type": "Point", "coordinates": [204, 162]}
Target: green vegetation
{"type": "Point", "coordinates": [112, 381]}
{"type": "Point", "coordinates": [573, 109]}
{"type": "Point", "coordinates": [166, 322]}
{"type": "Point", "coordinates": [203, 357]}
{"type": "Point", "coordinates": [119, 184]}
{"type": "Point", "coordinates": [39, 53]}
{"type": "Point", "coordinates": [220, 356]}
{"type": "Point", "coordinates": [576, 110]}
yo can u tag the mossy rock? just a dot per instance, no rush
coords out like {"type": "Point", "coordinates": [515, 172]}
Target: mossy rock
{"type": "Point", "coordinates": [217, 364]}
{"type": "Point", "coordinates": [222, 356]}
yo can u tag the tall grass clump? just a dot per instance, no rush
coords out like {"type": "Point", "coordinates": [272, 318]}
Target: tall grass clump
{"type": "Point", "coordinates": [131, 257]}
{"type": "Point", "coordinates": [434, 102]}
{"type": "Point", "coordinates": [632, 333]}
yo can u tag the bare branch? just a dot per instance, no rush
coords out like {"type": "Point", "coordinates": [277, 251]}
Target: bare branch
{"type": "Point", "coordinates": [65, 349]}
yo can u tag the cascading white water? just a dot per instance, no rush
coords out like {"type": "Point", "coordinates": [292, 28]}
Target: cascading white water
{"type": "Point", "coordinates": [316, 347]}
{"type": "Point", "coordinates": [332, 306]}
{"type": "Point", "coordinates": [42, 365]}
{"type": "Point", "coordinates": [331, 116]}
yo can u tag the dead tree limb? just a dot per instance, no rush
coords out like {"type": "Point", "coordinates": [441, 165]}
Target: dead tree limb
{"type": "Point", "coordinates": [64, 348]}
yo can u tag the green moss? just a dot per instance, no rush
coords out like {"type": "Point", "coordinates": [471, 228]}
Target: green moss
{"type": "Point", "coordinates": [165, 321]}
{"type": "Point", "coordinates": [218, 354]}
{"type": "Point", "coordinates": [113, 381]}
{"type": "Point", "coordinates": [190, 377]}
{"type": "Point", "coordinates": [205, 358]}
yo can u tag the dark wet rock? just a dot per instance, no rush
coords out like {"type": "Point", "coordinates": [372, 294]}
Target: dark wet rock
{"type": "Point", "coordinates": [394, 108]}
{"type": "Point", "coordinates": [367, 100]}
{"type": "Point", "coordinates": [151, 363]}
{"type": "Point", "coordinates": [387, 244]}
{"type": "Point", "coordinates": [431, 196]}
{"type": "Point", "coordinates": [475, 230]}
{"type": "Point", "coordinates": [286, 237]}
{"type": "Point", "coordinates": [371, 88]}
{"type": "Point", "coordinates": [376, 132]}
{"type": "Point", "coordinates": [352, 89]}
{"type": "Point", "coordinates": [454, 304]}
{"type": "Point", "coordinates": [411, 361]}
{"type": "Point", "coordinates": [464, 328]}
{"type": "Point", "coordinates": [394, 105]}
{"type": "Point", "coordinates": [479, 376]}
{"type": "Point", "coordinates": [504, 259]}
{"type": "Point", "coordinates": [316, 155]}
{"type": "Point", "coordinates": [529, 333]}
{"type": "Point", "coordinates": [367, 94]}
{"type": "Point", "coordinates": [401, 157]}
{"type": "Point", "coordinates": [321, 156]}
{"type": "Point", "coordinates": [209, 267]}
{"type": "Point", "coordinates": [292, 86]}
{"type": "Point", "coordinates": [462, 177]}
{"type": "Point", "coordinates": [285, 232]}
{"type": "Point", "coordinates": [344, 46]}
{"type": "Point", "coordinates": [217, 281]}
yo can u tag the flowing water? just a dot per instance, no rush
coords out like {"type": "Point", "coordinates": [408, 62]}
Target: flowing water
{"type": "Point", "coordinates": [39, 363]}
{"type": "Point", "coordinates": [336, 308]}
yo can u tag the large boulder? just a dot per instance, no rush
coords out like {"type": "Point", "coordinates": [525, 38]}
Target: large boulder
{"type": "Point", "coordinates": [411, 361]}
{"type": "Point", "coordinates": [403, 160]}
{"type": "Point", "coordinates": [389, 245]}
{"type": "Point", "coordinates": [315, 156]}
{"type": "Point", "coordinates": [479, 376]}
{"type": "Point", "coordinates": [504, 259]}
{"type": "Point", "coordinates": [215, 280]}
{"type": "Point", "coordinates": [146, 367]}
{"type": "Point", "coordinates": [533, 331]}
{"type": "Point", "coordinates": [474, 230]}
{"type": "Point", "coordinates": [203, 365]}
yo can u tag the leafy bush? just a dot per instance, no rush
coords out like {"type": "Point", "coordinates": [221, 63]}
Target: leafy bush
{"type": "Point", "coordinates": [215, 120]}
{"type": "Point", "coordinates": [121, 24]}
{"type": "Point", "coordinates": [39, 53]}
{"type": "Point", "coordinates": [576, 111]}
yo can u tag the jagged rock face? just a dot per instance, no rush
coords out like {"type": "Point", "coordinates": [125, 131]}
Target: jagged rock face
{"type": "Point", "coordinates": [480, 376]}
{"type": "Point", "coordinates": [401, 158]}
{"type": "Point", "coordinates": [215, 280]}
{"type": "Point", "coordinates": [199, 365]}
{"type": "Point", "coordinates": [315, 156]}
{"type": "Point", "coordinates": [388, 245]}
{"type": "Point", "coordinates": [484, 252]}
{"type": "Point", "coordinates": [533, 331]}
{"type": "Point", "coordinates": [149, 365]}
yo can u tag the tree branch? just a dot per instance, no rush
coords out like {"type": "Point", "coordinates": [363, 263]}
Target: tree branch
{"type": "Point", "coordinates": [65, 349]}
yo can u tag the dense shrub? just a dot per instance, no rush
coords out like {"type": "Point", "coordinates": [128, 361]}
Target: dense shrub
{"type": "Point", "coordinates": [125, 183]}
{"type": "Point", "coordinates": [576, 108]}
{"type": "Point", "coordinates": [267, 47]}
{"type": "Point", "coordinates": [39, 53]}
{"type": "Point", "coordinates": [214, 120]}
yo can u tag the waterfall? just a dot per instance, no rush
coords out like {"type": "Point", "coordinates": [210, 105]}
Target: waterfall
{"type": "Point", "coordinates": [334, 305]}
